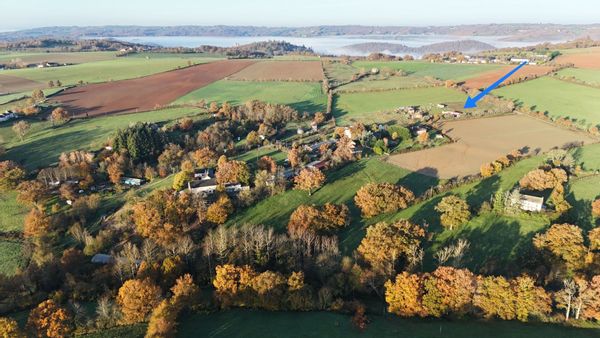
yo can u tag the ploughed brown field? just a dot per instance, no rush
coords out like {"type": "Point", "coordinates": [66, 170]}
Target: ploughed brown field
{"type": "Point", "coordinates": [480, 141]}
{"type": "Point", "coordinates": [13, 84]}
{"type": "Point", "coordinates": [144, 93]}
{"type": "Point", "coordinates": [486, 79]}
{"type": "Point", "coordinates": [586, 59]}
{"type": "Point", "coordinates": [281, 71]}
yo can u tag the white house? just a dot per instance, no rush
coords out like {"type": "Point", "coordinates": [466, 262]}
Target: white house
{"type": "Point", "coordinates": [519, 60]}
{"type": "Point", "coordinates": [454, 114]}
{"type": "Point", "coordinates": [531, 203]}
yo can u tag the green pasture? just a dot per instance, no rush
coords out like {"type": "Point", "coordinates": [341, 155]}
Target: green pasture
{"type": "Point", "coordinates": [302, 96]}
{"type": "Point", "coordinates": [368, 107]}
{"type": "Point", "coordinates": [443, 71]}
{"type": "Point", "coordinates": [558, 98]}
{"type": "Point", "coordinates": [590, 76]}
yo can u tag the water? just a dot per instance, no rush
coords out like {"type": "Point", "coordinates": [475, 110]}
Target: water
{"type": "Point", "coordinates": [327, 44]}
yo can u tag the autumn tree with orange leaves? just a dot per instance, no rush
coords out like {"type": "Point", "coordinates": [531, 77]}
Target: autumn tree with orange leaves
{"type": "Point", "coordinates": [309, 179]}
{"type": "Point", "coordinates": [385, 243]}
{"type": "Point", "coordinates": [564, 243]}
{"type": "Point", "coordinates": [137, 298]}
{"type": "Point", "coordinates": [48, 319]}
{"type": "Point", "coordinates": [10, 329]}
{"type": "Point", "coordinates": [325, 219]}
{"type": "Point", "coordinates": [166, 217]}
{"type": "Point", "coordinates": [204, 158]}
{"type": "Point", "coordinates": [378, 198]}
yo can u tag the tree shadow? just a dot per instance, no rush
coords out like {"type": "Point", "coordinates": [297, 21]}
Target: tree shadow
{"type": "Point", "coordinates": [308, 106]}
{"type": "Point", "coordinates": [483, 191]}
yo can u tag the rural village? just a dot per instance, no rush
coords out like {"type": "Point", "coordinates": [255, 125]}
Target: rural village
{"type": "Point", "coordinates": [151, 191]}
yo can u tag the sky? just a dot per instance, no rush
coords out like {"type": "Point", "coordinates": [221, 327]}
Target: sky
{"type": "Point", "coordinates": [22, 14]}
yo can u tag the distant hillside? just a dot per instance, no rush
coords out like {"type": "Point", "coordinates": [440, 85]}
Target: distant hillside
{"type": "Point", "coordinates": [255, 49]}
{"type": "Point", "coordinates": [512, 32]}
{"type": "Point", "coordinates": [441, 47]}
{"type": "Point", "coordinates": [71, 45]}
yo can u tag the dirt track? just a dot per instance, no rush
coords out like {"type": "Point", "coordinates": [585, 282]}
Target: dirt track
{"type": "Point", "coordinates": [147, 92]}
{"type": "Point", "coordinates": [484, 140]}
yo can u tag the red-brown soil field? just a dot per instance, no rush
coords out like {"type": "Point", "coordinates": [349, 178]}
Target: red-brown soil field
{"type": "Point", "coordinates": [479, 141]}
{"type": "Point", "coordinates": [144, 93]}
{"type": "Point", "coordinates": [281, 71]}
{"type": "Point", "coordinates": [14, 84]}
{"type": "Point", "coordinates": [589, 60]}
{"type": "Point", "coordinates": [486, 79]}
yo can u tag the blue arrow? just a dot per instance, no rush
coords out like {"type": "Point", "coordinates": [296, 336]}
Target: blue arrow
{"type": "Point", "coordinates": [472, 102]}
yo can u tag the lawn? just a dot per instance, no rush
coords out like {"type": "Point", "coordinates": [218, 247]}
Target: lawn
{"type": "Point", "coordinates": [580, 194]}
{"type": "Point", "coordinates": [302, 96]}
{"type": "Point", "coordinates": [590, 76]}
{"type": "Point", "coordinates": [368, 107]}
{"type": "Point", "coordinates": [45, 143]}
{"type": "Point", "coordinates": [250, 324]}
{"type": "Point", "coordinates": [338, 72]}
{"type": "Point", "coordinates": [109, 70]}
{"type": "Point", "coordinates": [589, 156]}
{"type": "Point", "coordinates": [558, 98]}
{"type": "Point", "coordinates": [443, 71]}
{"type": "Point", "coordinates": [12, 213]}
{"type": "Point", "coordinates": [11, 257]}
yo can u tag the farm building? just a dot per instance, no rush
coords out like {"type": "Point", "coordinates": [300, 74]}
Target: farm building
{"type": "Point", "coordinates": [531, 203]}
{"type": "Point", "coordinates": [8, 115]}
{"type": "Point", "coordinates": [102, 259]}
{"type": "Point", "coordinates": [454, 114]}
{"type": "Point", "coordinates": [131, 181]}
{"type": "Point", "coordinates": [203, 186]}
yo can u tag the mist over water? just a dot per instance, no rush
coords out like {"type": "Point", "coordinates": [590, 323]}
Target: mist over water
{"type": "Point", "coordinates": [326, 45]}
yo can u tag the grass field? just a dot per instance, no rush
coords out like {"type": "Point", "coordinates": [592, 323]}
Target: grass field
{"type": "Point", "coordinates": [110, 70]}
{"type": "Point", "coordinates": [44, 143]}
{"type": "Point", "coordinates": [442, 71]}
{"type": "Point", "coordinates": [12, 213]}
{"type": "Point", "coordinates": [250, 324]}
{"type": "Point", "coordinates": [558, 97]}
{"type": "Point", "coordinates": [364, 107]}
{"type": "Point", "coordinates": [11, 257]}
{"type": "Point", "coordinates": [393, 82]}
{"type": "Point", "coordinates": [589, 156]}
{"type": "Point", "coordinates": [590, 76]}
{"type": "Point", "coordinates": [338, 72]}
{"type": "Point", "coordinates": [302, 96]}
{"type": "Point", "coordinates": [71, 57]}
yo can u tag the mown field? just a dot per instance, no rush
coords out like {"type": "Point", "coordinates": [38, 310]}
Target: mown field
{"type": "Point", "coordinates": [45, 143]}
{"type": "Point", "coordinates": [264, 324]}
{"type": "Point", "coordinates": [12, 212]}
{"type": "Point", "coordinates": [393, 82]}
{"type": "Point", "coordinates": [109, 70]}
{"type": "Point", "coordinates": [367, 107]}
{"type": "Point", "coordinates": [302, 96]}
{"type": "Point", "coordinates": [590, 76]}
{"type": "Point", "coordinates": [72, 57]}
{"type": "Point", "coordinates": [444, 71]}
{"type": "Point", "coordinates": [558, 98]}
{"type": "Point", "coordinates": [589, 156]}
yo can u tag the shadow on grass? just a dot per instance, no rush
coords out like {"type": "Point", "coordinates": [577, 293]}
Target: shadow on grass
{"type": "Point", "coordinates": [308, 106]}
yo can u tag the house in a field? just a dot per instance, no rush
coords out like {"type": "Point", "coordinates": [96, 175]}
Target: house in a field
{"type": "Point", "coordinates": [132, 182]}
{"type": "Point", "coordinates": [518, 60]}
{"type": "Point", "coordinates": [203, 186]}
{"type": "Point", "coordinates": [531, 203]}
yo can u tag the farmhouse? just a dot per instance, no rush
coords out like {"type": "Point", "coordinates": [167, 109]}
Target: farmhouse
{"type": "Point", "coordinates": [531, 203]}
{"type": "Point", "coordinates": [518, 60]}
